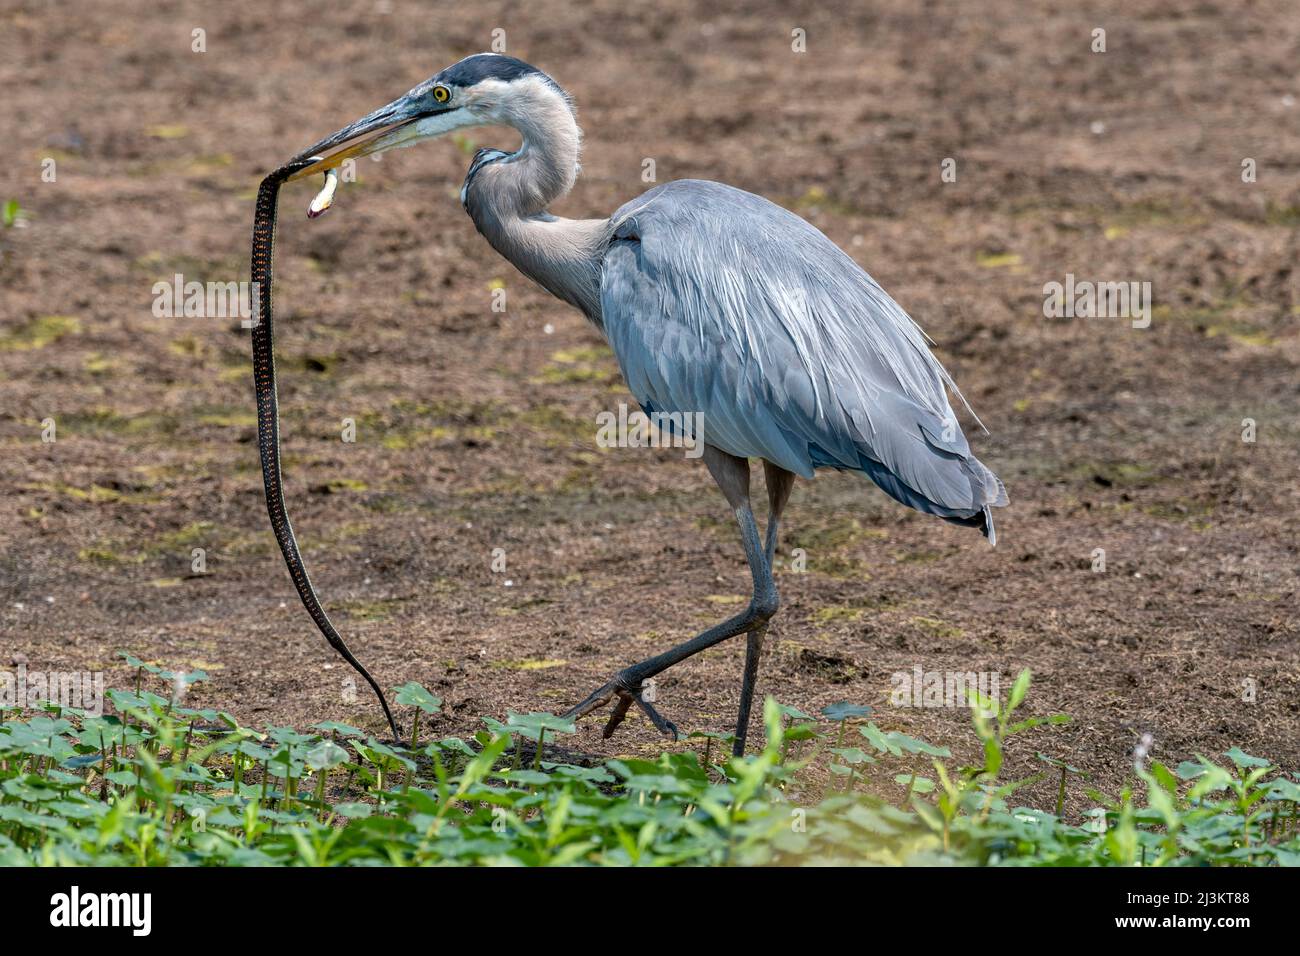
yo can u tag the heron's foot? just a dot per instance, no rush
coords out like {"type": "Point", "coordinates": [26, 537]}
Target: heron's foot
{"type": "Point", "coordinates": [627, 692]}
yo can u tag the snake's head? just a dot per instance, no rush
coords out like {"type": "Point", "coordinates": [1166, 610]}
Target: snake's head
{"type": "Point", "coordinates": [325, 198]}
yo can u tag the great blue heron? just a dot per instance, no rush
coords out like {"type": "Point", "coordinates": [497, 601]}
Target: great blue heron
{"type": "Point", "coordinates": [715, 301]}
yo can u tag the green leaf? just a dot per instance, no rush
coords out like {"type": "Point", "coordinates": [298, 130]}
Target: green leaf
{"type": "Point", "coordinates": [853, 755]}
{"type": "Point", "coordinates": [1018, 690]}
{"type": "Point", "coordinates": [478, 768]}
{"type": "Point", "coordinates": [343, 730]}
{"type": "Point", "coordinates": [876, 737]}
{"type": "Point", "coordinates": [289, 737]}
{"type": "Point", "coordinates": [186, 677]}
{"type": "Point", "coordinates": [992, 757]}
{"type": "Point", "coordinates": [1213, 779]}
{"type": "Point", "coordinates": [1243, 759]}
{"type": "Point", "coordinates": [325, 755]}
{"type": "Point", "coordinates": [793, 713]}
{"type": "Point", "coordinates": [917, 784]}
{"type": "Point", "coordinates": [412, 694]}
{"type": "Point", "coordinates": [531, 726]}
{"type": "Point", "coordinates": [774, 724]}
{"type": "Point", "coordinates": [137, 663]}
{"type": "Point", "coordinates": [1168, 782]}
{"type": "Point", "coordinates": [450, 745]}
{"type": "Point", "coordinates": [843, 710]}
{"type": "Point", "coordinates": [1283, 789]}
{"type": "Point", "coordinates": [896, 742]}
{"type": "Point", "coordinates": [802, 732]}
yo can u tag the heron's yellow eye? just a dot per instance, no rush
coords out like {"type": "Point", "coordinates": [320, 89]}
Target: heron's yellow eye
{"type": "Point", "coordinates": [441, 94]}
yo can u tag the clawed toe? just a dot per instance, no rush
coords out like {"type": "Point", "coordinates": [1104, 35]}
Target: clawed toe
{"type": "Point", "coordinates": [626, 698]}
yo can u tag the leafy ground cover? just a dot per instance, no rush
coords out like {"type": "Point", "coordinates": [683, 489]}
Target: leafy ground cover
{"type": "Point", "coordinates": [157, 783]}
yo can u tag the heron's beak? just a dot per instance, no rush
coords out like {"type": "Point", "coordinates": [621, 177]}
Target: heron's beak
{"type": "Point", "coordinates": [386, 128]}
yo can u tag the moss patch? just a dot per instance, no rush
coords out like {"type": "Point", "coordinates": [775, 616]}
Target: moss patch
{"type": "Point", "coordinates": [39, 332]}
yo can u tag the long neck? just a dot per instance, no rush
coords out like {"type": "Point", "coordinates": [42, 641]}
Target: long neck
{"type": "Point", "coordinates": [508, 198]}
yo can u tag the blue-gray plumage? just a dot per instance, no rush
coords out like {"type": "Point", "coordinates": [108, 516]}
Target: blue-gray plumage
{"type": "Point", "coordinates": [716, 303]}
{"type": "Point", "coordinates": [716, 300]}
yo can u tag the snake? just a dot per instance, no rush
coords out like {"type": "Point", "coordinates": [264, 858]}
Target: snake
{"type": "Point", "coordinates": [268, 420]}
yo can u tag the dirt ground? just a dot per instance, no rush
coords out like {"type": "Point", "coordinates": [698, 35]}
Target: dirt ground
{"type": "Point", "coordinates": [476, 429]}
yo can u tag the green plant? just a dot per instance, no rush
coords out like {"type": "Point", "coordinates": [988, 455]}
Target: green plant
{"type": "Point", "coordinates": [11, 213]}
{"type": "Point", "coordinates": [156, 783]}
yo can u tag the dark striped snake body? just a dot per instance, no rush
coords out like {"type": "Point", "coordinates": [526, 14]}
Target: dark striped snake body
{"type": "Point", "coordinates": [268, 420]}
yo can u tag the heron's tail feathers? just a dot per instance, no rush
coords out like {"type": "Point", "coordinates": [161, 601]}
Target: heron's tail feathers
{"type": "Point", "coordinates": [982, 521]}
{"type": "Point", "coordinates": [918, 457]}
{"type": "Point", "coordinates": [958, 489]}
{"type": "Point", "coordinates": [989, 493]}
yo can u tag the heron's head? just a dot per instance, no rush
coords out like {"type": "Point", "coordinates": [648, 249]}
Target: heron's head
{"type": "Point", "coordinates": [486, 89]}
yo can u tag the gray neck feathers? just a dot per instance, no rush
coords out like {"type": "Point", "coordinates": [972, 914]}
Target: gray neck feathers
{"type": "Point", "coordinates": [508, 198]}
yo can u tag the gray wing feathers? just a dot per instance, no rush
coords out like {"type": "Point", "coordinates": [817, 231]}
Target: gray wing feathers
{"type": "Point", "coordinates": [718, 301]}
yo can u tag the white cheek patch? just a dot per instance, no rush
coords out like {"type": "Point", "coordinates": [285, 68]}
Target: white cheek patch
{"type": "Point", "coordinates": [426, 128]}
{"type": "Point", "coordinates": [441, 123]}
{"type": "Point", "coordinates": [325, 198]}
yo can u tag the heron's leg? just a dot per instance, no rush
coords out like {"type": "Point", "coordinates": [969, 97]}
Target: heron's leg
{"type": "Point", "coordinates": [779, 484]}
{"type": "Point", "coordinates": [732, 476]}
{"type": "Point", "coordinates": [753, 653]}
